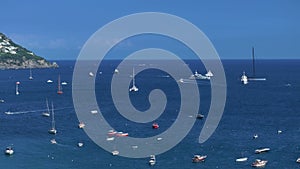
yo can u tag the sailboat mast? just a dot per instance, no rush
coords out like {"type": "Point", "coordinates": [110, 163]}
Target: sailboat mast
{"type": "Point", "coordinates": [133, 81]}
{"type": "Point", "coordinates": [53, 121]}
{"type": "Point", "coordinates": [253, 62]}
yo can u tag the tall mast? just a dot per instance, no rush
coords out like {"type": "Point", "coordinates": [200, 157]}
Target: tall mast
{"type": "Point", "coordinates": [133, 81]}
{"type": "Point", "coordinates": [253, 62]}
{"type": "Point", "coordinates": [53, 121]}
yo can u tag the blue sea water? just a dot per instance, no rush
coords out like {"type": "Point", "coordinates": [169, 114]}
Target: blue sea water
{"type": "Point", "coordinates": [261, 107]}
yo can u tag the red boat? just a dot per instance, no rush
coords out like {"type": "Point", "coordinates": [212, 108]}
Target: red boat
{"type": "Point", "coordinates": [155, 126]}
{"type": "Point", "coordinates": [59, 90]}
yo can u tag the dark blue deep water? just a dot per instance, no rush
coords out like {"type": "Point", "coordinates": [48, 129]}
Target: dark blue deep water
{"type": "Point", "coordinates": [261, 107]}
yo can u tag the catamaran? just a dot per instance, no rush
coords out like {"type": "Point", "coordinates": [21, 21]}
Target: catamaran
{"type": "Point", "coordinates": [133, 88]}
{"type": "Point", "coordinates": [52, 130]}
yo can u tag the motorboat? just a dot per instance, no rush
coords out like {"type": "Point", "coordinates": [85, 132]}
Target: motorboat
{"type": "Point", "coordinates": [121, 134]}
{"type": "Point", "coordinates": [94, 111]}
{"type": "Point", "coordinates": [152, 160]}
{"type": "Point", "coordinates": [49, 81]}
{"type": "Point", "coordinates": [81, 125]}
{"type": "Point", "coordinates": [198, 158]}
{"type": "Point", "coordinates": [197, 75]}
{"type": "Point", "coordinates": [116, 71]}
{"type": "Point", "coordinates": [259, 163]}
{"type": "Point", "coordinates": [91, 74]}
{"type": "Point", "coordinates": [242, 159]}
{"type": "Point", "coordinates": [298, 160]}
{"type": "Point", "coordinates": [255, 136]}
{"type": "Point", "coordinates": [244, 78]}
{"type": "Point", "coordinates": [199, 116]}
{"type": "Point", "coordinates": [111, 132]}
{"type": "Point", "coordinates": [110, 138]}
{"type": "Point", "coordinates": [262, 150]}
{"type": "Point", "coordinates": [155, 125]}
{"type": "Point", "coordinates": [115, 152]}
{"type": "Point", "coordinates": [209, 74]}
{"type": "Point", "coordinates": [9, 150]}
{"type": "Point", "coordinates": [80, 144]}
{"type": "Point", "coordinates": [53, 141]}
{"type": "Point", "coordinates": [64, 83]}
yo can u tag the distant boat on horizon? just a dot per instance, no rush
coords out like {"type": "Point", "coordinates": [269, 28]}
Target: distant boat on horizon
{"type": "Point", "coordinates": [245, 79]}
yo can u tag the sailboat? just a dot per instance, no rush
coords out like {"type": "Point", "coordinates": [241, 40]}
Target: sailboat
{"type": "Point", "coordinates": [59, 88]}
{"type": "Point", "coordinates": [245, 79]}
{"type": "Point", "coordinates": [52, 130]}
{"type": "Point", "coordinates": [30, 74]}
{"type": "Point", "coordinates": [17, 88]}
{"type": "Point", "coordinates": [133, 88]}
{"type": "Point", "coordinates": [47, 113]}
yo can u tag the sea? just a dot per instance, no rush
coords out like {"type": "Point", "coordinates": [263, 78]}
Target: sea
{"type": "Point", "coordinates": [260, 107]}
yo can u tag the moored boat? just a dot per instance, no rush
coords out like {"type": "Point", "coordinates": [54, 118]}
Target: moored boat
{"type": "Point", "coordinates": [9, 150]}
{"type": "Point", "coordinates": [155, 125]}
{"type": "Point", "coordinates": [198, 158]}
{"type": "Point", "coordinates": [152, 160]}
{"type": "Point", "coordinates": [259, 163]}
{"type": "Point", "coordinates": [262, 150]}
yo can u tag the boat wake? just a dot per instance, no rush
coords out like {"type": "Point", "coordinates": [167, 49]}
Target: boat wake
{"type": "Point", "coordinates": [31, 111]}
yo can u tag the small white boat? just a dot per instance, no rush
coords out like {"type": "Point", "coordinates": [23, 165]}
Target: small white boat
{"type": "Point", "coordinates": [298, 160]}
{"type": "Point", "coordinates": [197, 75]}
{"type": "Point", "coordinates": [64, 83]}
{"type": "Point", "coordinates": [49, 81]}
{"type": "Point", "coordinates": [110, 138]}
{"type": "Point", "coordinates": [181, 80]}
{"type": "Point", "coordinates": [115, 152]}
{"type": "Point", "coordinates": [279, 131]}
{"type": "Point", "coordinates": [255, 136]}
{"type": "Point", "coordinates": [91, 74]}
{"type": "Point", "coordinates": [94, 111]}
{"type": "Point", "coordinates": [9, 150]}
{"type": "Point", "coordinates": [199, 116]}
{"type": "Point", "coordinates": [159, 138]}
{"type": "Point", "coordinates": [53, 141]}
{"type": "Point", "coordinates": [241, 159]}
{"type": "Point", "coordinates": [80, 144]}
{"type": "Point", "coordinates": [244, 78]}
{"type": "Point", "coordinates": [116, 71]}
{"type": "Point", "coordinates": [262, 150]}
{"type": "Point", "coordinates": [2, 101]}
{"type": "Point", "coordinates": [121, 134]}
{"type": "Point", "coordinates": [259, 163]}
{"type": "Point", "coordinates": [152, 160]}
{"type": "Point", "coordinates": [198, 158]}
{"type": "Point", "coordinates": [81, 125]}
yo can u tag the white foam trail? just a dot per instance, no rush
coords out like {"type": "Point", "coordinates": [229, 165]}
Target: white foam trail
{"type": "Point", "coordinates": [31, 111]}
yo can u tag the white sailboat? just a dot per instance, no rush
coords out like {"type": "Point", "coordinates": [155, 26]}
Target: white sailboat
{"type": "Point", "coordinates": [30, 74]}
{"type": "Point", "coordinates": [47, 113]}
{"type": "Point", "coordinates": [133, 88]}
{"type": "Point", "coordinates": [246, 79]}
{"type": "Point", "coordinates": [17, 88]}
{"type": "Point", "coordinates": [52, 130]}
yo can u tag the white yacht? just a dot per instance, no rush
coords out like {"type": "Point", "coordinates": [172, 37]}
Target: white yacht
{"type": "Point", "coordinates": [47, 113]}
{"type": "Point", "coordinates": [244, 78]}
{"type": "Point", "coordinates": [209, 74]}
{"type": "Point", "coordinates": [91, 74]}
{"type": "Point", "coordinates": [242, 159]}
{"type": "Point", "coordinates": [259, 163]}
{"type": "Point", "coordinates": [49, 81]}
{"type": "Point", "coordinates": [53, 141]}
{"type": "Point", "coordinates": [9, 151]}
{"type": "Point", "coordinates": [116, 71]}
{"type": "Point", "coordinates": [115, 152]}
{"type": "Point", "coordinates": [197, 75]}
{"type": "Point", "coordinates": [262, 150]}
{"type": "Point", "coordinates": [152, 160]}
{"type": "Point", "coordinates": [133, 88]}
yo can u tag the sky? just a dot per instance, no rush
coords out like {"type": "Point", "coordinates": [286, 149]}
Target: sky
{"type": "Point", "coordinates": [57, 30]}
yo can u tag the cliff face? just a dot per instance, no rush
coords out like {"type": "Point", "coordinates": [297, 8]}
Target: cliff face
{"type": "Point", "coordinates": [14, 56]}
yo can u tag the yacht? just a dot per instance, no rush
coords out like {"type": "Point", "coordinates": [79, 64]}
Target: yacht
{"type": "Point", "coordinates": [47, 113]}
{"type": "Point", "coordinates": [241, 159]}
{"type": "Point", "coordinates": [198, 158]}
{"type": "Point", "coordinates": [262, 150]}
{"type": "Point", "coordinates": [152, 160]}
{"type": "Point", "coordinates": [259, 163]}
{"type": "Point", "coordinates": [53, 141]}
{"type": "Point", "coordinates": [197, 75]}
{"type": "Point", "coordinates": [255, 136]}
{"type": "Point", "coordinates": [91, 74]}
{"type": "Point", "coordinates": [115, 152]}
{"type": "Point", "coordinates": [209, 74]}
{"type": "Point", "coordinates": [64, 83]}
{"type": "Point", "coordinates": [49, 81]}
{"type": "Point", "coordinates": [199, 116]}
{"type": "Point", "coordinates": [116, 71]}
{"type": "Point", "coordinates": [244, 78]}
{"type": "Point", "coordinates": [80, 144]}
{"type": "Point", "coordinates": [9, 150]}
{"type": "Point", "coordinates": [298, 160]}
